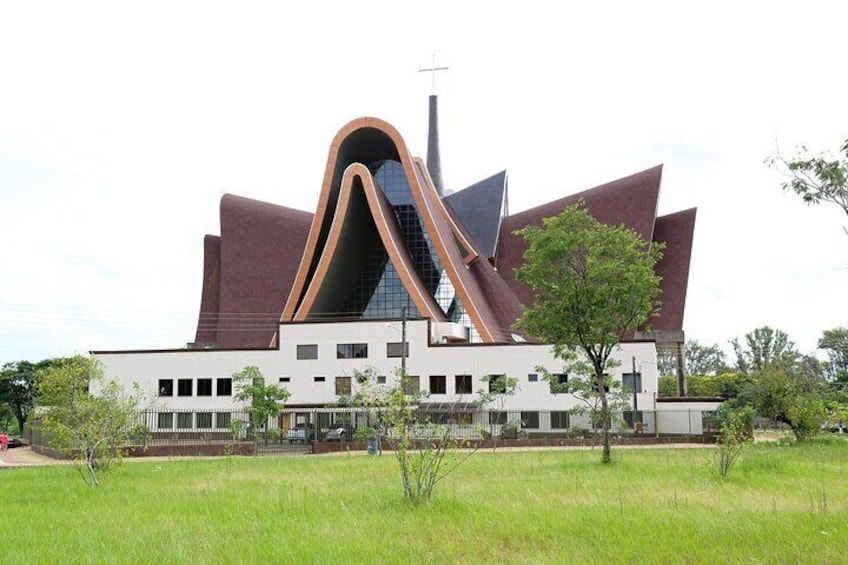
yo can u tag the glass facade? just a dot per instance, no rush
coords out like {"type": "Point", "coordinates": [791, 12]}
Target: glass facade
{"type": "Point", "coordinates": [379, 292]}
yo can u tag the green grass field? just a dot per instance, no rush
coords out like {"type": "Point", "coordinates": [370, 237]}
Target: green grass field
{"type": "Point", "coordinates": [781, 504]}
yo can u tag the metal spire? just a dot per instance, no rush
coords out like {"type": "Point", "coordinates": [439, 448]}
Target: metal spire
{"type": "Point", "coordinates": [434, 162]}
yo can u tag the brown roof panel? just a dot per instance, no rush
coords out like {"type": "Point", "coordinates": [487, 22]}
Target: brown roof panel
{"type": "Point", "coordinates": [677, 231]}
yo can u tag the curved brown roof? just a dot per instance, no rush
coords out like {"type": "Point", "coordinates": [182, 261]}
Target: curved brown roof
{"type": "Point", "coordinates": [257, 256]}
{"type": "Point", "coordinates": [631, 201]}
{"type": "Point", "coordinates": [677, 232]}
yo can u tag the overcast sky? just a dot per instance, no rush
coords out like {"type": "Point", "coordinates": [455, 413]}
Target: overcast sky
{"type": "Point", "coordinates": [122, 125]}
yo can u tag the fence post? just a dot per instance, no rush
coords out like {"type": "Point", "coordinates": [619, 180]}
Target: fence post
{"type": "Point", "coordinates": [316, 430]}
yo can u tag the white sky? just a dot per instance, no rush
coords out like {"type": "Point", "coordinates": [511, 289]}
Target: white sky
{"type": "Point", "coordinates": [122, 124]}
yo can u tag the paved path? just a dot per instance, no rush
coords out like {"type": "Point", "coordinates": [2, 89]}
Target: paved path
{"type": "Point", "coordinates": [25, 457]}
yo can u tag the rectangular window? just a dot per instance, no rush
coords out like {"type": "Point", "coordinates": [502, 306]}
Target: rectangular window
{"type": "Point", "coordinates": [223, 419]}
{"type": "Point", "coordinates": [165, 421]}
{"type": "Point", "coordinates": [558, 382]}
{"type": "Point", "coordinates": [530, 420]}
{"type": "Point", "coordinates": [533, 377]}
{"type": "Point", "coordinates": [343, 386]}
{"type": "Point", "coordinates": [225, 387]}
{"type": "Point", "coordinates": [184, 387]}
{"type": "Point", "coordinates": [319, 379]}
{"type": "Point", "coordinates": [560, 421]}
{"type": "Point", "coordinates": [204, 387]}
{"type": "Point", "coordinates": [438, 384]}
{"type": "Point", "coordinates": [463, 384]}
{"type": "Point", "coordinates": [632, 382]}
{"type": "Point", "coordinates": [631, 418]}
{"type": "Point", "coordinates": [397, 349]}
{"type": "Point", "coordinates": [285, 379]}
{"type": "Point", "coordinates": [352, 351]}
{"type": "Point", "coordinates": [411, 385]}
{"type": "Point", "coordinates": [381, 379]}
{"type": "Point", "coordinates": [184, 420]}
{"type": "Point", "coordinates": [497, 418]}
{"type": "Point", "coordinates": [166, 387]}
{"type": "Point", "coordinates": [307, 351]}
{"type": "Point", "coordinates": [496, 384]}
{"type": "Point", "coordinates": [203, 420]}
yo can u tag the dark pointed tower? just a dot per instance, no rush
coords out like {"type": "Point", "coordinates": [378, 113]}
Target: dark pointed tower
{"type": "Point", "coordinates": [434, 161]}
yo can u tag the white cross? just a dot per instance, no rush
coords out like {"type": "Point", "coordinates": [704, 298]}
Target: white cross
{"type": "Point", "coordinates": [434, 69]}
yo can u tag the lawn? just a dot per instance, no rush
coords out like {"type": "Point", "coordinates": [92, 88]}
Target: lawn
{"type": "Point", "coordinates": [781, 504]}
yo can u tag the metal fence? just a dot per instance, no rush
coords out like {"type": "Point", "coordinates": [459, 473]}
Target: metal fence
{"type": "Point", "coordinates": [307, 426]}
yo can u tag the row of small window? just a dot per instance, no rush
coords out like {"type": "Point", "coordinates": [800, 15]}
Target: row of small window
{"type": "Point", "coordinates": [185, 387]}
{"type": "Point", "coordinates": [530, 419]}
{"type": "Point", "coordinates": [193, 420]}
{"type": "Point", "coordinates": [352, 350]}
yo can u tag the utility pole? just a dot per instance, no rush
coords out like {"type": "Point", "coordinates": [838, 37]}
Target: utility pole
{"type": "Point", "coordinates": [403, 342]}
{"type": "Point", "coordinates": [635, 405]}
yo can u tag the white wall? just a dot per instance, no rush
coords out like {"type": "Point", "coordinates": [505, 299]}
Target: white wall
{"type": "Point", "coordinates": [424, 360]}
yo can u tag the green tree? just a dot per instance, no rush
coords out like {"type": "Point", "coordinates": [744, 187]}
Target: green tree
{"type": "Point", "coordinates": [816, 178]}
{"type": "Point", "coordinates": [264, 401]}
{"type": "Point", "coordinates": [18, 383]}
{"type": "Point", "coordinates": [594, 284]}
{"type": "Point", "coordinates": [835, 342]}
{"type": "Point", "coordinates": [704, 359]}
{"type": "Point", "coordinates": [86, 416]}
{"type": "Point", "coordinates": [764, 347]}
{"type": "Point", "coordinates": [426, 451]}
{"type": "Point", "coordinates": [735, 428]}
{"type": "Point", "coordinates": [797, 399]}
{"type": "Point", "coordinates": [498, 389]}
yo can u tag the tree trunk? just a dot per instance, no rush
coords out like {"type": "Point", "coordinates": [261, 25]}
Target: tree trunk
{"type": "Point", "coordinates": [605, 418]}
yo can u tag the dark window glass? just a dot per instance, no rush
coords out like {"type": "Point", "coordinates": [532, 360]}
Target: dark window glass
{"type": "Point", "coordinates": [285, 379]}
{"type": "Point", "coordinates": [411, 385]}
{"type": "Point", "coordinates": [631, 418]}
{"type": "Point", "coordinates": [225, 386]}
{"type": "Point", "coordinates": [166, 387]}
{"type": "Point", "coordinates": [464, 384]}
{"type": "Point", "coordinates": [530, 420]}
{"type": "Point", "coordinates": [165, 421]}
{"type": "Point", "coordinates": [533, 377]}
{"type": "Point", "coordinates": [352, 351]}
{"type": "Point", "coordinates": [343, 386]}
{"type": "Point", "coordinates": [496, 384]}
{"type": "Point", "coordinates": [560, 420]}
{"type": "Point", "coordinates": [204, 387]}
{"type": "Point", "coordinates": [184, 420]}
{"type": "Point", "coordinates": [628, 380]}
{"type": "Point", "coordinates": [558, 382]}
{"type": "Point", "coordinates": [381, 379]}
{"type": "Point", "coordinates": [307, 351]}
{"type": "Point", "coordinates": [497, 418]}
{"type": "Point", "coordinates": [203, 420]}
{"type": "Point", "coordinates": [223, 419]}
{"type": "Point", "coordinates": [319, 379]}
{"type": "Point", "coordinates": [396, 349]}
{"type": "Point", "coordinates": [438, 384]}
{"type": "Point", "coordinates": [184, 387]}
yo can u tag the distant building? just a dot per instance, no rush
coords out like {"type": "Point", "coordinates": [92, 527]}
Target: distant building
{"type": "Point", "coordinates": [312, 298]}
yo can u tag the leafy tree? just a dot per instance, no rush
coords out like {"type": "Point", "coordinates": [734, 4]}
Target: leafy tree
{"type": "Point", "coordinates": [704, 359]}
{"type": "Point", "coordinates": [835, 342]}
{"type": "Point", "coordinates": [796, 399]}
{"type": "Point", "coordinates": [18, 383]}
{"type": "Point", "coordinates": [816, 178]}
{"type": "Point", "coordinates": [86, 416]}
{"type": "Point", "coordinates": [764, 347]}
{"type": "Point", "coordinates": [735, 428]}
{"type": "Point", "coordinates": [594, 284]}
{"type": "Point", "coordinates": [264, 401]}
{"type": "Point", "coordinates": [426, 451]}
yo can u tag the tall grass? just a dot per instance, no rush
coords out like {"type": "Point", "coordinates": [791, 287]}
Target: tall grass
{"type": "Point", "coordinates": [781, 504]}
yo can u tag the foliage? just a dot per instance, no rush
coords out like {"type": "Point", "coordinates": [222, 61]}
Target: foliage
{"type": "Point", "coordinates": [793, 398]}
{"type": "Point", "coordinates": [764, 347]}
{"type": "Point", "coordinates": [18, 384]}
{"type": "Point", "coordinates": [498, 389]}
{"type": "Point", "coordinates": [735, 428]}
{"type": "Point", "coordinates": [264, 401]}
{"type": "Point", "coordinates": [704, 359]}
{"type": "Point", "coordinates": [835, 342]}
{"type": "Point", "coordinates": [426, 452]}
{"type": "Point", "coordinates": [816, 178]}
{"type": "Point", "coordinates": [725, 385]}
{"type": "Point", "coordinates": [86, 416]}
{"type": "Point", "coordinates": [593, 285]}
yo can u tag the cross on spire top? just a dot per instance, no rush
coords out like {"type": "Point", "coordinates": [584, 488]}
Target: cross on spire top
{"type": "Point", "coordinates": [433, 69]}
